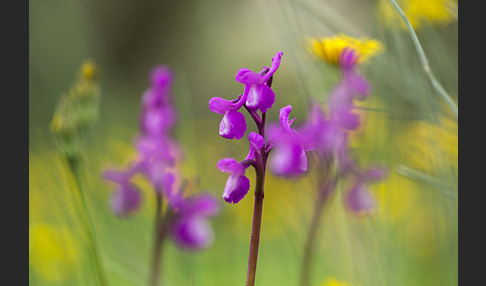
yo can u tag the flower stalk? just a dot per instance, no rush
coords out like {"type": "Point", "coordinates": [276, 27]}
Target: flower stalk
{"type": "Point", "coordinates": [185, 219]}
{"type": "Point", "coordinates": [74, 165]}
{"type": "Point", "coordinates": [76, 111]}
{"type": "Point", "coordinates": [158, 241]}
{"type": "Point", "coordinates": [329, 135]}
{"type": "Point", "coordinates": [323, 197]}
{"type": "Point", "coordinates": [260, 170]}
{"type": "Point", "coordinates": [257, 98]}
{"type": "Point", "coordinates": [425, 62]}
{"type": "Point", "coordinates": [161, 227]}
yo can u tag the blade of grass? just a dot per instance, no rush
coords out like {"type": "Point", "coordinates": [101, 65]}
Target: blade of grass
{"type": "Point", "coordinates": [426, 178]}
{"type": "Point", "coordinates": [425, 63]}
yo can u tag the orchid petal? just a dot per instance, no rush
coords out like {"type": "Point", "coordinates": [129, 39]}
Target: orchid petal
{"type": "Point", "coordinates": [236, 188]}
{"type": "Point", "coordinates": [359, 200]}
{"type": "Point", "coordinates": [126, 200]}
{"type": "Point", "coordinates": [220, 105]}
{"type": "Point", "coordinates": [275, 64]}
{"type": "Point", "coordinates": [233, 125]}
{"type": "Point", "coordinates": [267, 98]}
{"type": "Point", "coordinates": [192, 232]}
{"type": "Point", "coordinates": [230, 165]}
{"type": "Point", "coordinates": [161, 76]}
{"type": "Point", "coordinates": [284, 117]}
{"type": "Point", "coordinates": [247, 76]}
{"type": "Point", "coordinates": [256, 143]}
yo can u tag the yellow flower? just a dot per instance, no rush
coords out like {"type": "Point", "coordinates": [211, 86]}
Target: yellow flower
{"type": "Point", "coordinates": [419, 12]}
{"type": "Point", "coordinates": [396, 196]}
{"type": "Point", "coordinates": [333, 282]}
{"type": "Point", "coordinates": [430, 146]}
{"type": "Point", "coordinates": [56, 123]}
{"type": "Point", "coordinates": [78, 107]}
{"type": "Point", "coordinates": [53, 251]}
{"type": "Point", "coordinates": [89, 70]}
{"type": "Point", "coordinates": [329, 48]}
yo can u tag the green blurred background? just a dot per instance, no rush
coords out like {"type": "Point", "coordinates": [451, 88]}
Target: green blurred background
{"type": "Point", "coordinates": [411, 239]}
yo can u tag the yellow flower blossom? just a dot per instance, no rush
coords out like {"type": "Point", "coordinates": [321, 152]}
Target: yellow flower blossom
{"type": "Point", "coordinates": [329, 48]}
{"type": "Point", "coordinates": [419, 12]}
{"type": "Point", "coordinates": [333, 282]}
{"type": "Point", "coordinates": [430, 146]}
{"type": "Point", "coordinates": [53, 251]}
{"type": "Point", "coordinates": [89, 70]}
{"type": "Point", "coordinates": [78, 107]}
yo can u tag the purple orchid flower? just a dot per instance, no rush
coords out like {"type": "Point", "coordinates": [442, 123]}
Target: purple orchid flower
{"type": "Point", "coordinates": [290, 146]}
{"type": "Point", "coordinates": [233, 124]}
{"type": "Point", "coordinates": [359, 199]}
{"type": "Point", "coordinates": [157, 156]}
{"type": "Point", "coordinates": [158, 114]}
{"type": "Point", "coordinates": [341, 105]}
{"type": "Point", "coordinates": [352, 86]}
{"type": "Point", "coordinates": [161, 77]}
{"type": "Point", "coordinates": [257, 95]}
{"type": "Point", "coordinates": [238, 184]}
{"type": "Point", "coordinates": [348, 58]}
{"type": "Point", "coordinates": [127, 198]}
{"type": "Point", "coordinates": [190, 228]}
{"type": "Point", "coordinates": [185, 218]}
{"type": "Point", "coordinates": [330, 142]}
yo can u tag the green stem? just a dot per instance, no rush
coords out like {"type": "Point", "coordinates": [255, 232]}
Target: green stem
{"type": "Point", "coordinates": [323, 196]}
{"type": "Point", "coordinates": [74, 165]}
{"type": "Point", "coordinates": [425, 63]}
{"type": "Point", "coordinates": [159, 237]}
{"type": "Point", "coordinates": [257, 222]}
{"type": "Point", "coordinates": [260, 169]}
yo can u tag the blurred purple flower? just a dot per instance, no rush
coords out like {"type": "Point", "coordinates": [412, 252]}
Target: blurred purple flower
{"type": "Point", "coordinates": [348, 58]}
{"type": "Point", "coordinates": [359, 199]}
{"type": "Point", "coordinates": [323, 134]}
{"type": "Point", "coordinates": [289, 145]}
{"type": "Point", "coordinates": [158, 114]}
{"type": "Point", "coordinates": [156, 157]}
{"type": "Point", "coordinates": [126, 199]}
{"type": "Point", "coordinates": [340, 107]}
{"type": "Point", "coordinates": [352, 86]}
{"type": "Point", "coordinates": [157, 154]}
{"type": "Point", "coordinates": [190, 228]}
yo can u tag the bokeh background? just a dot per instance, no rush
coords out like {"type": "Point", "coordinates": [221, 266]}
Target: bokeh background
{"type": "Point", "coordinates": [410, 239]}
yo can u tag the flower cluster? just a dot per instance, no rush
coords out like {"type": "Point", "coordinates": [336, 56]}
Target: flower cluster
{"type": "Point", "coordinates": [157, 154]}
{"type": "Point", "coordinates": [238, 185]}
{"type": "Point", "coordinates": [77, 110]}
{"type": "Point", "coordinates": [257, 96]}
{"type": "Point", "coordinates": [329, 136]}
